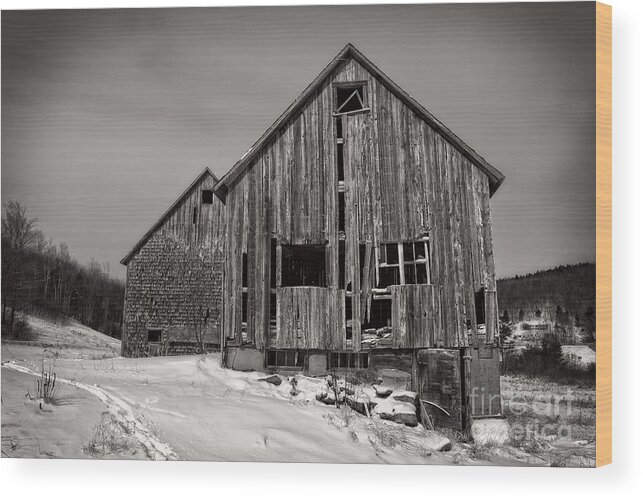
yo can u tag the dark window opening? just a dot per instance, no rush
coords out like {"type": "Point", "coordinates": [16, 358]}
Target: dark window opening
{"type": "Point", "coordinates": [389, 276]}
{"type": "Point", "coordinates": [273, 311]}
{"type": "Point", "coordinates": [480, 306]}
{"type": "Point", "coordinates": [341, 212]}
{"type": "Point", "coordinates": [154, 336]}
{"type": "Point", "coordinates": [338, 126]}
{"type": "Point", "coordinates": [303, 265]}
{"type": "Point", "coordinates": [348, 314]}
{"type": "Point", "coordinates": [244, 307]}
{"type": "Point", "coordinates": [392, 256]}
{"type": "Point", "coordinates": [273, 263]}
{"type": "Point", "coordinates": [194, 213]}
{"type": "Point", "coordinates": [380, 316]}
{"type": "Point", "coordinates": [207, 197]}
{"type": "Point", "coordinates": [362, 260]}
{"type": "Point", "coordinates": [244, 270]}
{"type": "Point", "coordinates": [340, 162]}
{"type": "Point", "coordinates": [350, 98]}
{"type": "Point", "coordinates": [342, 264]}
{"type": "Point", "coordinates": [350, 360]}
{"type": "Point", "coordinates": [285, 358]}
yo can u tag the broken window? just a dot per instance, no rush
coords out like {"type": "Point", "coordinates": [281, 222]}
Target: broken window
{"type": "Point", "coordinates": [350, 98]}
{"type": "Point", "coordinates": [154, 336]}
{"type": "Point", "coordinates": [206, 196]}
{"type": "Point", "coordinates": [389, 265]}
{"type": "Point", "coordinates": [303, 265]}
{"type": "Point", "coordinates": [480, 306]}
{"type": "Point", "coordinates": [415, 262]}
{"type": "Point", "coordinates": [414, 266]}
{"type": "Point", "coordinates": [380, 315]}
{"type": "Point", "coordinates": [285, 358]}
{"type": "Point", "coordinates": [349, 360]}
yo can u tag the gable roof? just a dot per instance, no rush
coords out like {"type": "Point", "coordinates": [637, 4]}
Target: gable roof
{"type": "Point", "coordinates": [165, 215]}
{"type": "Point", "coordinates": [349, 51]}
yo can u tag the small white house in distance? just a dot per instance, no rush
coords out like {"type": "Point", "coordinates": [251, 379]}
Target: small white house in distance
{"type": "Point", "coordinates": [583, 355]}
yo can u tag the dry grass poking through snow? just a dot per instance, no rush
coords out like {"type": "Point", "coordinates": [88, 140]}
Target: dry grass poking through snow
{"type": "Point", "coordinates": [111, 437]}
{"type": "Point", "coordinates": [552, 421]}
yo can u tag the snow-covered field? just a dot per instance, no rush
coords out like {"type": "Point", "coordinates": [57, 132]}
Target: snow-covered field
{"type": "Point", "coordinates": [191, 408]}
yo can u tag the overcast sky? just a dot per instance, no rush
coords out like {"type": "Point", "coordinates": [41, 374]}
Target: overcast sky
{"type": "Point", "coordinates": [107, 115]}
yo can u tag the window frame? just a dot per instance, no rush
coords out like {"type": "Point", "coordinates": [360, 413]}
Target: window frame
{"type": "Point", "coordinates": [348, 359]}
{"type": "Point", "coordinates": [402, 262]}
{"type": "Point", "coordinates": [349, 84]}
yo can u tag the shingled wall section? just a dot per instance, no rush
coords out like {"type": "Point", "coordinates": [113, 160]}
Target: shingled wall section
{"type": "Point", "coordinates": [176, 288]}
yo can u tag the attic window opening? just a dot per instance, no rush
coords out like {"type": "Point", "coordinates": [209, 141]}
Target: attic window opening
{"type": "Point", "coordinates": [350, 98]}
{"type": "Point", "coordinates": [207, 196]}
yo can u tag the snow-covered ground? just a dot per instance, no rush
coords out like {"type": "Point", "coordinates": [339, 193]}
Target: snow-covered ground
{"type": "Point", "coordinates": [191, 408]}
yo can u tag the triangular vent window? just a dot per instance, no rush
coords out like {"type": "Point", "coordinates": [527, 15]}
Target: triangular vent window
{"type": "Point", "coordinates": [350, 98]}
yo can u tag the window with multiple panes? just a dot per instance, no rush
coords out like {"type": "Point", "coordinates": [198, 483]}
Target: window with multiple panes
{"type": "Point", "coordinates": [350, 360]}
{"type": "Point", "coordinates": [404, 263]}
{"type": "Point", "coordinates": [285, 358]}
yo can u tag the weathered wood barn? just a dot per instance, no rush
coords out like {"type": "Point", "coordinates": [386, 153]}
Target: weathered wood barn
{"type": "Point", "coordinates": [354, 234]}
{"type": "Point", "coordinates": [174, 283]}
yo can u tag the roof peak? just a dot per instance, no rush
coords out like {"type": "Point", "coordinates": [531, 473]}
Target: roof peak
{"type": "Point", "coordinates": [495, 177]}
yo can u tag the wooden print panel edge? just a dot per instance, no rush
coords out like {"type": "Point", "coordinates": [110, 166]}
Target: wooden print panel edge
{"type": "Point", "coordinates": [603, 234]}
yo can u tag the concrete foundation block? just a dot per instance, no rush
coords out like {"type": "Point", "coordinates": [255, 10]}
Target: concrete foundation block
{"type": "Point", "coordinates": [244, 359]}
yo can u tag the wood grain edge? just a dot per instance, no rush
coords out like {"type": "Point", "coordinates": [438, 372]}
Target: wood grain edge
{"type": "Point", "coordinates": [603, 234]}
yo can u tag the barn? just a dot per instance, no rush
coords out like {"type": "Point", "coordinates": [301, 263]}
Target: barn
{"type": "Point", "coordinates": [354, 234]}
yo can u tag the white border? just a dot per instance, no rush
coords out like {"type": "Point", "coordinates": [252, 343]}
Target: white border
{"type": "Point", "coordinates": [67, 479]}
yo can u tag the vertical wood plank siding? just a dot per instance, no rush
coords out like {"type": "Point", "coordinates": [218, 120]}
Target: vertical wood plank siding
{"type": "Point", "coordinates": [403, 181]}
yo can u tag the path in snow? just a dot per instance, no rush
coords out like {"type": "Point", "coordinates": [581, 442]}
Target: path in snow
{"type": "Point", "coordinates": [121, 410]}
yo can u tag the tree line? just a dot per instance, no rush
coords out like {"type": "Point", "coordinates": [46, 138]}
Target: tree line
{"type": "Point", "coordinates": [563, 295]}
{"type": "Point", "coordinates": [40, 277]}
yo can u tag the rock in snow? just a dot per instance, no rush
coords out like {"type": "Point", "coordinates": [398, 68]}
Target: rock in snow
{"type": "Point", "coordinates": [400, 412]}
{"type": "Point", "coordinates": [382, 391]}
{"type": "Point", "coordinates": [273, 380]}
{"type": "Point", "coordinates": [405, 396]}
{"type": "Point", "coordinates": [435, 441]}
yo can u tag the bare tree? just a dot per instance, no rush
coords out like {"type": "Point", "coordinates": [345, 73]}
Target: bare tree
{"type": "Point", "coordinates": [19, 235]}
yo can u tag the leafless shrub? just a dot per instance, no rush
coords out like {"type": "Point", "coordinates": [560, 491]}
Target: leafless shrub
{"type": "Point", "coordinates": [46, 387]}
{"type": "Point", "coordinates": [110, 437]}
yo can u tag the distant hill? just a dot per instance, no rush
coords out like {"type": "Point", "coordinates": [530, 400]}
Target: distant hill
{"type": "Point", "coordinates": [572, 287]}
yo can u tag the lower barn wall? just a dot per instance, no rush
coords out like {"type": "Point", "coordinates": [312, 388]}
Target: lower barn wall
{"type": "Point", "coordinates": [177, 289]}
